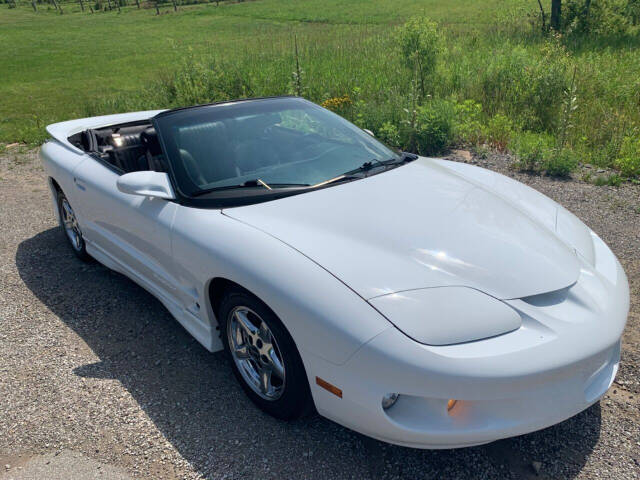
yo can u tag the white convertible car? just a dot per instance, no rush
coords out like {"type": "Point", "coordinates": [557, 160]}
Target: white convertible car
{"type": "Point", "coordinates": [419, 301]}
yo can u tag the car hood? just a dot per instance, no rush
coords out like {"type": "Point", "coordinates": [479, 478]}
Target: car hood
{"type": "Point", "coordinates": [423, 225]}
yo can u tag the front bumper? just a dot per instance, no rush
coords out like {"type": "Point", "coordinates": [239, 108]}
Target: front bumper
{"type": "Point", "coordinates": [562, 360]}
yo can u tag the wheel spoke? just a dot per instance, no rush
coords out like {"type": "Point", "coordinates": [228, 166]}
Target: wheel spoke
{"type": "Point", "coordinates": [276, 364]}
{"type": "Point", "coordinates": [256, 353]}
{"type": "Point", "coordinates": [242, 352]}
{"type": "Point", "coordinates": [70, 224]}
{"type": "Point", "coordinates": [265, 333]}
{"type": "Point", "coordinates": [265, 381]}
{"type": "Point", "coordinates": [68, 213]}
{"type": "Point", "coordinates": [244, 322]}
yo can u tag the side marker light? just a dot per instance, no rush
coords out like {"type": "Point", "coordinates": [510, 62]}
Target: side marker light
{"type": "Point", "coordinates": [327, 386]}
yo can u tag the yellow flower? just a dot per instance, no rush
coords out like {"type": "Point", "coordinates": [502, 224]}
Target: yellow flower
{"type": "Point", "coordinates": [337, 103]}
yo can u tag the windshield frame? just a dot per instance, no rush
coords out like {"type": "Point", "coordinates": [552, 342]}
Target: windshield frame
{"type": "Point", "coordinates": [237, 195]}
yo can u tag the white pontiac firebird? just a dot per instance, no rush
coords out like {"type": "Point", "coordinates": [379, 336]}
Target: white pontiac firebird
{"type": "Point", "coordinates": [419, 301]}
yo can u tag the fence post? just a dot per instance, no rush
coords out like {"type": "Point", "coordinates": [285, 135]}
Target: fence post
{"type": "Point", "coordinates": [81, 6]}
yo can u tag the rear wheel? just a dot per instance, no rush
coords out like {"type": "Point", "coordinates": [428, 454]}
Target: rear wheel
{"type": "Point", "coordinates": [264, 357]}
{"type": "Point", "coordinates": [71, 228]}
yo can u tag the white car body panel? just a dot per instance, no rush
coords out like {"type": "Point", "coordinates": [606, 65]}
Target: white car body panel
{"type": "Point", "coordinates": [419, 226]}
{"type": "Point", "coordinates": [343, 266]}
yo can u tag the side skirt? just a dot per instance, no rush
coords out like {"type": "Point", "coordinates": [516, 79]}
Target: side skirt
{"type": "Point", "coordinates": [199, 329]}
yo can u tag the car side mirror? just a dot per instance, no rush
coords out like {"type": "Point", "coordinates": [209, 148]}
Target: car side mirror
{"type": "Point", "coordinates": [147, 184]}
{"type": "Point", "coordinates": [369, 132]}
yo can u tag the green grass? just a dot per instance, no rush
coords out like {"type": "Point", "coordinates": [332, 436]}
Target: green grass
{"type": "Point", "coordinates": [51, 64]}
{"type": "Point", "coordinates": [55, 67]}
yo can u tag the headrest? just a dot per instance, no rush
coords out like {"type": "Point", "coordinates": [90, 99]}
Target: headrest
{"type": "Point", "coordinates": [149, 139]}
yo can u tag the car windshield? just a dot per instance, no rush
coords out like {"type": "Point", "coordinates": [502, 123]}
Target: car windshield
{"type": "Point", "coordinates": [281, 142]}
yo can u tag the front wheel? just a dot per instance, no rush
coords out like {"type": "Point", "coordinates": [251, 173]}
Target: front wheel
{"type": "Point", "coordinates": [264, 357]}
{"type": "Point", "coordinates": [69, 224]}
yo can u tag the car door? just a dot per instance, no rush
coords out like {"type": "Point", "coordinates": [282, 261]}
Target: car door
{"type": "Point", "coordinates": [131, 231]}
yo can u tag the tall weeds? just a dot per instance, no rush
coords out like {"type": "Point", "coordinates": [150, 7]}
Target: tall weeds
{"type": "Point", "coordinates": [424, 90]}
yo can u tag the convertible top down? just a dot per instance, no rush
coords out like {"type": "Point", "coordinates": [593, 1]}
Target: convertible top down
{"type": "Point", "coordinates": [419, 301]}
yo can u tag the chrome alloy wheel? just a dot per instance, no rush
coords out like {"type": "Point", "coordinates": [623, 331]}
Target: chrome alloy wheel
{"type": "Point", "coordinates": [256, 353]}
{"type": "Point", "coordinates": [71, 227]}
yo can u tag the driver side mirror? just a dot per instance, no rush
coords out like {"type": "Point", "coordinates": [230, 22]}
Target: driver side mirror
{"type": "Point", "coordinates": [146, 183]}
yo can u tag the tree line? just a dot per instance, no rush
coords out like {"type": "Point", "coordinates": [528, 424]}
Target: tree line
{"type": "Point", "coordinates": [105, 5]}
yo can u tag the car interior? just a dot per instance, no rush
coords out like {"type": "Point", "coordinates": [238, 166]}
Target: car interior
{"type": "Point", "coordinates": [211, 152]}
{"type": "Point", "coordinates": [128, 147]}
{"type": "Point", "coordinates": [286, 148]}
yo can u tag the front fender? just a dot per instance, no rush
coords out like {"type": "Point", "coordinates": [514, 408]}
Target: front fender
{"type": "Point", "coordinates": [322, 314]}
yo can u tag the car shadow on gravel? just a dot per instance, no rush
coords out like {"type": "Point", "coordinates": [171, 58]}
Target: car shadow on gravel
{"type": "Point", "coordinates": [193, 399]}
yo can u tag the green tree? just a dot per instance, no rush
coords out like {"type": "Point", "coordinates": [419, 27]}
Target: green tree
{"type": "Point", "coordinates": [421, 45]}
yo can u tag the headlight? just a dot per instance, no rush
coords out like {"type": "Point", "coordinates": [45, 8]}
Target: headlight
{"type": "Point", "coordinates": [447, 315]}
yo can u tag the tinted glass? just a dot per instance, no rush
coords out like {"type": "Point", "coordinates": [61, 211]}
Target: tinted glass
{"type": "Point", "coordinates": [282, 141]}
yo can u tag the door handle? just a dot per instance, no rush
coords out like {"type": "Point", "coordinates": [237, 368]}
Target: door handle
{"type": "Point", "coordinates": [79, 184]}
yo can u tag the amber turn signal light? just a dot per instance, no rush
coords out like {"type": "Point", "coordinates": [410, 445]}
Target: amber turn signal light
{"type": "Point", "coordinates": [327, 386]}
{"type": "Point", "coordinates": [451, 403]}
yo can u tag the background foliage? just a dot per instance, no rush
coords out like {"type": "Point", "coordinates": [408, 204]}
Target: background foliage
{"type": "Point", "coordinates": [422, 74]}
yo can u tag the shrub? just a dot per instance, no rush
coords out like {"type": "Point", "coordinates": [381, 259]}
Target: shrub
{"type": "Point", "coordinates": [600, 180]}
{"type": "Point", "coordinates": [420, 44]}
{"type": "Point", "coordinates": [389, 134]}
{"type": "Point", "coordinates": [560, 163]}
{"type": "Point", "coordinates": [633, 11]}
{"type": "Point", "coordinates": [197, 82]}
{"type": "Point", "coordinates": [525, 84]}
{"type": "Point", "coordinates": [434, 127]}
{"type": "Point", "coordinates": [604, 17]}
{"type": "Point", "coordinates": [613, 180]}
{"type": "Point", "coordinates": [499, 131]}
{"type": "Point", "coordinates": [628, 161]}
{"type": "Point", "coordinates": [530, 150]}
{"type": "Point", "coordinates": [468, 124]}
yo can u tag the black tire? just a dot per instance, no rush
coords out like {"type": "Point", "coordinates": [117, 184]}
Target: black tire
{"type": "Point", "coordinates": [77, 245]}
{"type": "Point", "coordinates": [295, 397]}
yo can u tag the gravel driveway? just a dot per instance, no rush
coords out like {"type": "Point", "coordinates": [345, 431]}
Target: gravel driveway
{"type": "Point", "coordinates": [98, 381]}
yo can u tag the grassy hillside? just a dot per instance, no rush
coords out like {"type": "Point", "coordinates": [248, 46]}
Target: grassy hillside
{"type": "Point", "coordinates": [498, 81]}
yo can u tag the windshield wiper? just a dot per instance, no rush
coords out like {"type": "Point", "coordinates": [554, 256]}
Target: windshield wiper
{"type": "Point", "coordinates": [404, 158]}
{"type": "Point", "coordinates": [374, 163]}
{"type": "Point", "coordinates": [251, 184]}
{"type": "Point", "coordinates": [258, 182]}
{"type": "Point", "coordinates": [338, 179]}
{"type": "Point", "coordinates": [365, 167]}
